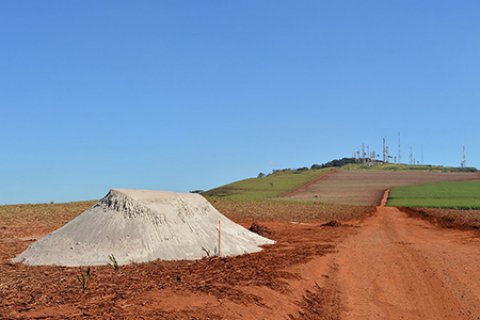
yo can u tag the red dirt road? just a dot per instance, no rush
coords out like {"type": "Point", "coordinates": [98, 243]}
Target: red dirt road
{"type": "Point", "coordinates": [398, 267]}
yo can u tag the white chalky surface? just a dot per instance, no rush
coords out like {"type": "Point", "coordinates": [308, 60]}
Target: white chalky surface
{"type": "Point", "coordinates": [140, 226]}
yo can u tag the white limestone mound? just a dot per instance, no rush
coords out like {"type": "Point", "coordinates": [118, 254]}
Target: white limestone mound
{"type": "Point", "coordinates": [140, 226]}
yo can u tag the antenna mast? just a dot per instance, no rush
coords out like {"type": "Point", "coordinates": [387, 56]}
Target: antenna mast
{"type": "Point", "coordinates": [385, 156]}
{"type": "Point", "coordinates": [463, 164]}
{"type": "Point", "coordinates": [399, 157]}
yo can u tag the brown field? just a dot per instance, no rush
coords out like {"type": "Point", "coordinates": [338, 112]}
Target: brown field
{"type": "Point", "coordinates": [381, 263]}
{"type": "Point", "coordinates": [366, 187]}
{"type": "Point", "coordinates": [250, 286]}
{"type": "Point", "coordinates": [289, 211]}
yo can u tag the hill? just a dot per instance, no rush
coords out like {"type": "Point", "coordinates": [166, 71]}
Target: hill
{"type": "Point", "coordinates": [366, 187]}
{"type": "Point", "coordinates": [264, 187]}
{"type": "Point", "coordinates": [344, 181]}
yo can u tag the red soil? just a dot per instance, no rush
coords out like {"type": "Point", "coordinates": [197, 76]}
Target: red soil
{"type": "Point", "coordinates": [270, 284]}
{"type": "Point", "coordinates": [397, 267]}
{"type": "Point", "coordinates": [387, 266]}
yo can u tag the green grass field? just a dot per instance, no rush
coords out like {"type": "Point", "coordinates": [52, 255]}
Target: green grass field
{"type": "Point", "coordinates": [453, 195]}
{"type": "Point", "coordinates": [271, 186]}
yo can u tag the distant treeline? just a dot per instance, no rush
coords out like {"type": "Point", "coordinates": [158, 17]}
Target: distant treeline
{"type": "Point", "coordinates": [341, 162]}
{"type": "Point", "coordinates": [367, 163]}
{"type": "Point", "coordinates": [330, 164]}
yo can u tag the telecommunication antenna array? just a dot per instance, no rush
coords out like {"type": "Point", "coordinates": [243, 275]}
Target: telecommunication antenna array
{"type": "Point", "coordinates": [385, 150]}
{"type": "Point", "coordinates": [463, 164]}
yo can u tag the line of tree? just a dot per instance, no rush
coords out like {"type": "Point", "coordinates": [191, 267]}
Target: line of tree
{"type": "Point", "coordinates": [338, 163]}
{"type": "Point", "coordinates": [344, 161]}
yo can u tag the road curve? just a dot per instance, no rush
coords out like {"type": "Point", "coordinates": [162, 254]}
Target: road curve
{"type": "Point", "coordinates": [398, 267]}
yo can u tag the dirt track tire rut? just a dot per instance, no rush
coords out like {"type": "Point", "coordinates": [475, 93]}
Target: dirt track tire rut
{"type": "Point", "coordinates": [398, 267]}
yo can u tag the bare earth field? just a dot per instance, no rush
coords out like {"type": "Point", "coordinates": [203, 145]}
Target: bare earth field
{"type": "Point", "coordinates": [289, 279]}
{"type": "Point", "coordinates": [385, 265]}
{"type": "Point", "coordinates": [366, 187]}
{"type": "Point", "coordinates": [289, 211]}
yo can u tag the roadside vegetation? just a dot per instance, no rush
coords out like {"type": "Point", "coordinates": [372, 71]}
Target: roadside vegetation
{"type": "Point", "coordinates": [450, 195]}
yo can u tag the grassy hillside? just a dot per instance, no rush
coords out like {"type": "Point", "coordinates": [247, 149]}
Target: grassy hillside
{"type": "Point", "coordinates": [454, 195]}
{"type": "Point", "coordinates": [271, 186]}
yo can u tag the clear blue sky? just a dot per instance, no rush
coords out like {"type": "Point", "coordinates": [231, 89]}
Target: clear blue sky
{"type": "Point", "coordinates": [183, 95]}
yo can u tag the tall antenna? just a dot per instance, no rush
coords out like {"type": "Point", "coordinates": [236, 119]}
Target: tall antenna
{"type": "Point", "coordinates": [463, 164]}
{"type": "Point", "coordinates": [385, 157]}
{"type": "Point", "coordinates": [412, 161]}
{"type": "Point", "coordinates": [422, 155]}
{"type": "Point", "coordinates": [399, 156]}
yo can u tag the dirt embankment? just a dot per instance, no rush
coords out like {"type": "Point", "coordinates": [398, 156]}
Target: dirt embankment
{"type": "Point", "coordinates": [447, 218]}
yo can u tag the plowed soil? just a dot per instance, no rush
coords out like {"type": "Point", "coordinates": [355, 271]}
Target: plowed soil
{"type": "Point", "coordinates": [366, 187]}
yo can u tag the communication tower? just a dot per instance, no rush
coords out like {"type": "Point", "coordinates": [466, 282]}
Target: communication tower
{"type": "Point", "coordinates": [463, 164]}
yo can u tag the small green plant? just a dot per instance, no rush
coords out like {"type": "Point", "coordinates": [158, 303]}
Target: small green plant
{"type": "Point", "coordinates": [84, 278]}
{"type": "Point", "coordinates": [206, 251]}
{"type": "Point", "coordinates": [113, 262]}
{"type": "Point", "coordinates": [209, 253]}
